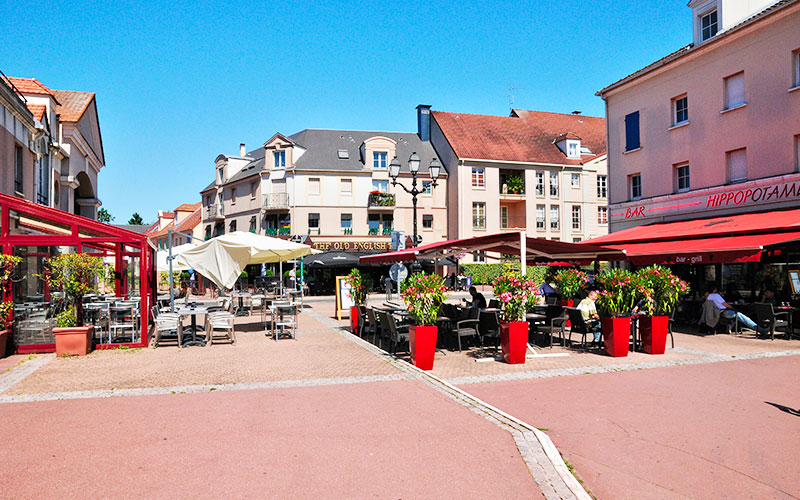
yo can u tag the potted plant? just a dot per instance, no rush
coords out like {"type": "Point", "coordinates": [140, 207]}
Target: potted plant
{"type": "Point", "coordinates": [359, 288]}
{"type": "Point", "coordinates": [659, 291]}
{"type": "Point", "coordinates": [8, 265]}
{"type": "Point", "coordinates": [75, 275]}
{"type": "Point", "coordinates": [515, 184]}
{"type": "Point", "coordinates": [570, 283]}
{"type": "Point", "coordinates": [616, 300]}
{"type": "Point", "coordinates": [423, 294]}
{"type": "Point", "coordinates": [513, 291]}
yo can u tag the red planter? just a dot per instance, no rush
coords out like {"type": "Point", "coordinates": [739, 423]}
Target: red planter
{"type": "Point", "coordinates": [653, 330]}
{"type": "Point", "coordinates": [3, 342]}
{"type": "Point", "coordinates": [354, 320]}
{"type": "Point", "coordinates": [567, 303]}
{"type": "Point", "coordinates": [74, 341]}
{"type": "Point", "coordinates": [616, 336]}
{"type": "Point", "coordinates": [514, 341]}
{"type": "Point", "coordinates": [422, 340]}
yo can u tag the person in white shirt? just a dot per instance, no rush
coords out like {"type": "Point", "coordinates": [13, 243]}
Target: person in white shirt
{"type": "Point", "coordinates": [729, 312]}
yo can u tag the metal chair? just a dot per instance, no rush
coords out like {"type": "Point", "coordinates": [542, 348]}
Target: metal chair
{"type": "Point", "coordinates": [766, 317]}
{"type": "Point", "coordinates": [467, 327]}
{"type": "Point", "coordinates": [285, 320]}
{"type": "Point", "coordinates": [220, 326]}
{"type": "Point", "coordinates": [166, 326]}
{"type": "Point", "coordinates": [489, 326]}
{"type": "Point", "coordinates": [121, 318]}
{"type": "Point", "coordinates": [577, 325]}
{"type": "Point", "coordinates": [394, 334]}
{"type": "Point", "coordinates": [377, 330]}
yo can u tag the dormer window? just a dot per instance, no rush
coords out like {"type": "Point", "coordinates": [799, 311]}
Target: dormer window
{"type": "Point", "coordinates": [221, 175]}
{"type": "Point", "coordinates": [709, 25]}
{"type": "Point", "coordinates": [279, 158]}
{"type": "Point", "coordinates": [573, 149]}
{"type": "Point", "coordinates": [379, 159]}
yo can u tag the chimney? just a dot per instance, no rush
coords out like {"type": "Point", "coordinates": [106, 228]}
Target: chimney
{"type": "Point", "coordinates": [242, 150]}
{"type": "Point", "coordinates": [424, 122]}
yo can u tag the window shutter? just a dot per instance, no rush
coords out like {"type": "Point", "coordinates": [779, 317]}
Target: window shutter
{"type": "Point", "coordinates": [632, 131]}
{"type": "Point", "coordinates": [737, 165]}
{"type": "Point", "coordinates": [734, 90]}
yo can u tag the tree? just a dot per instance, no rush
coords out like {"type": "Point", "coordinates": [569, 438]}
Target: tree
{"type": "Point", "coordinates": [136, 219]}
{"type": "Point", "coordinates": [104, 216]}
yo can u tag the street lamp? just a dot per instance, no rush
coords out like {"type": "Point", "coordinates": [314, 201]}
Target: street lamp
{"type": "Point", "coordinates": [413, 165]}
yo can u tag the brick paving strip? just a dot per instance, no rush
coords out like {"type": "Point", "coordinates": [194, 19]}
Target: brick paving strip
{"type": "Point", "coordinates": [537, 450]}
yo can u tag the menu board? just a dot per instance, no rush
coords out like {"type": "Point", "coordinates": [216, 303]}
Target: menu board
{"type": "Point", "coordinates": [344, 300]}
{"type": "Point", "coordinates": [794, 279]}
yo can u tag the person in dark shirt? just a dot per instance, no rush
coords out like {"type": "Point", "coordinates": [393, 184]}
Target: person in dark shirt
{"type": "Point", "coordinates": [478, 300]}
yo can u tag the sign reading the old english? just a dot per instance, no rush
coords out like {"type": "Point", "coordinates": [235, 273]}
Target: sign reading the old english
{"type": "Point", "coordinates": [352, 246]}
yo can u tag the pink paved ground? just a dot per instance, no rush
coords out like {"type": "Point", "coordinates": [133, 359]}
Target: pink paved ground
{"type": "Point", "coordinates": [371, 440]}
{"type": "Point", "coordinates": [700, 431]}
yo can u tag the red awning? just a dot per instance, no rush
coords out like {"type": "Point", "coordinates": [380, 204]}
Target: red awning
{"type": "Point", "coordinates": [746, 248]}
{"type": "Point", "coordinates": [537, 250]}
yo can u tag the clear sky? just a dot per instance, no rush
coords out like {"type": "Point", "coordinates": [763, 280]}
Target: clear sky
{"type": "Point", "coordinates": [178, 84]}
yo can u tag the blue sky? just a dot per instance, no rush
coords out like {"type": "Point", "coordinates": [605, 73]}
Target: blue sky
{"type": "Point", "coordinates": [177, 83]}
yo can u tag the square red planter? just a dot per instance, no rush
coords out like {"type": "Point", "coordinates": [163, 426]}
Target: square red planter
{"type": "Point", "coordinates": [422, 342]}
{"type": "Point", "coordinates": [514, 341]}
{"type": "Point", "coordinates": [3, 342]}
{"type": "Point", "coordinates": [653, 330]}
{"type": "Point", "coordinates": [354, 320]}
{"type": "Point", "coordinates": [74, 341]}
{"type": "Point", "coordinates": [616, 336]}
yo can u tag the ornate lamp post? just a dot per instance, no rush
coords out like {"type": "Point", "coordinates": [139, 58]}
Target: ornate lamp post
{"type": "Point", "coordinates": [413, 165]}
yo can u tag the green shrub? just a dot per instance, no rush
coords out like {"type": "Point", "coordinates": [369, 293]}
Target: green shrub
{"type": "Point", "coordinates": [484, 274]}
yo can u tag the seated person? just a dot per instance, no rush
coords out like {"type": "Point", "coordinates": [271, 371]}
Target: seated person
{"type": "Point", "coordinates": [546, 289]}
{"type": "Point", "coordinates": [768, 297]}
{"type": "Point", "coordinates": [478, 300]}
{"type": "Point", "coordinates": [727, 311]}
{"type": "Point", "coordinates": [590, 317]}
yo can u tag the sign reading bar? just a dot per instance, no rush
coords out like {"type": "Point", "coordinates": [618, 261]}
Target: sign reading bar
{"type": "Point", "coordinates": [352, 246]}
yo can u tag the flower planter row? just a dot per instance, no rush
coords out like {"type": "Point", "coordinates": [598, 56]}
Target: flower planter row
{"type": "Point", "coordinates": [617, 332]}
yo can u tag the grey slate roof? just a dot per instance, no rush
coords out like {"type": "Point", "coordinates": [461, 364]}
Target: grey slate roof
{"type": "Point", "coordinates": [136, 228]}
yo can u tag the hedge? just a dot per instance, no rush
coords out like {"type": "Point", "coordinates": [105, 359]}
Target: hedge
{"type": "Point", "coordinates": [484, 274]}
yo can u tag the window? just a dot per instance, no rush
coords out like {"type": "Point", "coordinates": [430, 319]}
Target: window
{"type": "Point", "coordinates": [313, 221]}
{"type": "Point", "coordinates": [374, 223]}
{"type": "Point", "coordinates": [479, 216]}
{"type": "Point", "coordinates": [680, 110]}
{"type": "Point", "coordinates": [479, 256]}
{"type": "Point", "coordinates": [18, 169]}
{"type": "Point", "coordinates": [681, 178]}
{"type": "Point", "coordinates": [708, 25]}
{"type": "Point", "coordinates": [232, 226]}
{"type": "Point", "coordinates": [221, 174]}
{"type": "Point", "coordinates": [576, 240]}
{"type": "Point", "coordinates": [252, 224]}
{"type": "Point", "coordinates": [554, 184]}
{"type": "Point", "coordinates": [43, 185]}
{"type": "Point", "coordinates": [478, 178]}
{"type": "Point", "coordinates": [576, 217]}
{"type": "Point", "coordinates": [379, 159]}
{"type": "Point", "coordinates": [602, 215]}
{"type": "Point", "coordinates": [280, 158]}
{"type": "Point", "coordinates": [737, 165]}
{"type": "Point", "coordinates": [796, 68]}
{"type": "Point", "coordinates": [632, 131]}
{"type": "Point", "coordinates": [233, 196]}
{"type": "Point", "coordinates": [554, 217]}
{"type": "Point", "coordinates": [573, 150]}
{"type": "Point", "coordinates": [602, 187]}
{"type": "Point", "coordinates": [575, 180]}
{"type": "Point", "coordinates": [347, 221]}
{"type": "Point", "coordinates": [252, 190]}
{"type": "Point", "coordinates": [503, 216]}
{"type": "Point", "coordinates": [313, 186]}
{"type": "Point", "coordinates": [427, 221]}
{"type": "Point", "coordinates": [343, 154]}
{"type": "Point", "coordinates": [540, 221]}
{"type": "Point", "coordinates": [382, 186]}
{"type": "Point", "coordinates": [734, 90]}
{"type": "Point", "coordinates": [427, 187]}
{"type": "Point", "coordinates": [388, 223]}
{"type": "Point", "coordinates": [797, 152]}
{"type": "Point", "coordinates": [208, 232]}
{"type": "Point", "coordinates": [347, 187]}
{"type": "Point", "coordinates": [539, 183]}
{"type": "Point", "coordinates": [635, 183]}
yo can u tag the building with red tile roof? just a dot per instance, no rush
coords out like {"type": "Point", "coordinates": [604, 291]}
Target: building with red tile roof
{"type": "Point", "coordinates": [186, 218]}
{"type": "Point", "coordinates": [541, 172]}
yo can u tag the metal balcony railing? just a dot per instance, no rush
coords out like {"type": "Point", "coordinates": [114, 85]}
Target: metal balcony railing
{"type": "Point", "coordinates": [215, 212]}
{"type": "Point", "coordinates": [278, 231]}
{"type": "Point", "coordinates": [512, 222]}
{"type": "Point", "coordinates": [276, 201]}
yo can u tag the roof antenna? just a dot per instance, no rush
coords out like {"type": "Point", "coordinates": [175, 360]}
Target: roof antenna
{"type": "Point", "coordinates": [577, 112]}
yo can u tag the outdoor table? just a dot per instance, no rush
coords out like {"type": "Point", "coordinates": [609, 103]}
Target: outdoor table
{"type": "Point", "coordinates": [193, 312]}
{"type": "Point", "coordinates": [788, 312]}
{"type": "Point", "coordinates": [240, 296]}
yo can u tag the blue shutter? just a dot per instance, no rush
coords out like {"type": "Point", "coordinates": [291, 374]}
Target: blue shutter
{"type": "Point", "coordinates": [632, 131]}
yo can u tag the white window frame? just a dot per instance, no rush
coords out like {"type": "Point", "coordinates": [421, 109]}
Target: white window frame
{"type": "Point", "coordinates": [342, 184]}
{"type": "Point", "coordinates": [478, 177]}
{"type": "Point", "coordinates": [541, 218]}
{"type": "Point", "coordinates": [279, 159]}
{"type": "Point", "coordinates": [427, 188]}
{"type": "Point", "coordinates": [602, 215]}
{"type": "Point", "coordinates": [796, 69]}
{"type": "Point", "coordinates": [576, 217]}
{"type": "Point", "coordinates": [554, 185]}
{"type": "Point", "coordinates": [540, 184]}
{"type": "Point", "coordinates": [602, 187]}
{"type": "Point", "coordinates": [677, 120]}
{"type": "Point", "coordinates": [704, 15]}
{"type": "Point", "coordinates": [632, 184]}
{"type": "Point", "coordinates": [555, 217]}
{"type": "Point", "coordinates": [575, 180]}
{"type": "Point", "coordinates": [573, 149]}
{"type": "Point", "coordinates": [314, 181]}
{"type": "Point", "coordinates": [478, 213]}
{"type": "Point", "coordinates": [377, 185]}
{"type": "Point", "coordinates": [378, 161]}
{"type": "Point", "coordinates": [678, 177]}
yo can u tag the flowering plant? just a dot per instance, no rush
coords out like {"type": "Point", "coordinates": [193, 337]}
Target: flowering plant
{"type": "Point", "coordinates": [423, 294]}
{"type": "Point", "coordinates": [570, 283]}
{"type": "Point", "coordinates": [661, 289]}
{"type": "Point", "coordinates": [359, 287]}
{"type": "Point", "coordinates": [8, 264]}
{"type": "Point", "coordinates": [513, 291]}
{"type": "Point", "coordinates": [771, 276]}
{"type": "Point", "coordinates": [619, 291]}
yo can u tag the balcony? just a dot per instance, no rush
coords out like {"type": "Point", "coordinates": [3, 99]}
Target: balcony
{"type": "Point", "coordinates": [512, 222]}
{"type": "Point", "coordinates": [278, 231]}
{"type": "Point", "coordinates": [512, 185]}
{"type": "Point", "coordinates": [380, 201]}
{"type": "Point", "coordinates": [275, 201]}
{"type": "Point", "coordinates": [214, 212]}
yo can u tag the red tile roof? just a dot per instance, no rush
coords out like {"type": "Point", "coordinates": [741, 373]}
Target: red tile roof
{"type": "Point", "coordinates": [73, 104]}
{"type": "Point", "coordinates": [37, 110]}
{"type": "Point", "coordinates": [151, 230]}
{"type": "Point", "coordinates": [190, 222]}
{"type": "Point", "coordinates": [188, 207]}
{"type": "Point", "coordinates": [166, 215]}
{"type": "Point", "coordinates": [163, 231]}
{"type": "Point", "coordinates": [526, 136]}
{"type": "Point", "coordinates": [30, 86]}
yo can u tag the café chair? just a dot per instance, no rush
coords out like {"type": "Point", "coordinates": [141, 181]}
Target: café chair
{"type": "Point", "coordinates": [375, 326]}
{"type": "Point", "coordinates": [467, 327]}
{"type": "Point", "coordinates": [766, 317]}
{"type": "Point", "coordinates": [393, 333]}
{"type": "Point", "coordinates": [577, 325]}
{"type": "Point", "coordinates": [489, 326]}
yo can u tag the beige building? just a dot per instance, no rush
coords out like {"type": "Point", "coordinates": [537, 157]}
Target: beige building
{"type": "Point", "coordinates": [185, 220]}
{"type": "Point", "coordinates": [331, 186]}
{"type": "Point", "coordinates": [713, 128]}
{"type": "Point", "coordinates": [544, 173]}
{"type": "Point", "coordinates": [61, 155]}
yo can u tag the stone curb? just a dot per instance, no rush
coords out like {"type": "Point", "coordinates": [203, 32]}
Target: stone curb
{"type": "Point", "coordinates": [537, 450]}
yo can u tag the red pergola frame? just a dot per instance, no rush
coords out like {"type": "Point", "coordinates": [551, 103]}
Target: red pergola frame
{"type": "Point", "coordinates": [105, 240]}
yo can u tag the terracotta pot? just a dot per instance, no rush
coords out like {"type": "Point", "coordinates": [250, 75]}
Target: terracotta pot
{"type": "Point", "coordinates": [354, 320]}
{"type": "Point", "coordinates": [616, 336]}
{"type": "Point", "coordinates": [73, 341]}
{"type": "Point", "coordinates": [514, 341]}
{"type": "Point", "coordinates": [653, 330]}
{"type": "Point", "coordinates": [3, 342]}
{"type": "Point", "coordinates": [422, 341]}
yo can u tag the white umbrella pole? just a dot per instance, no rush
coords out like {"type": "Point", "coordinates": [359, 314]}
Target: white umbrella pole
{"type": "Point", "coordinates": [280, 274]}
